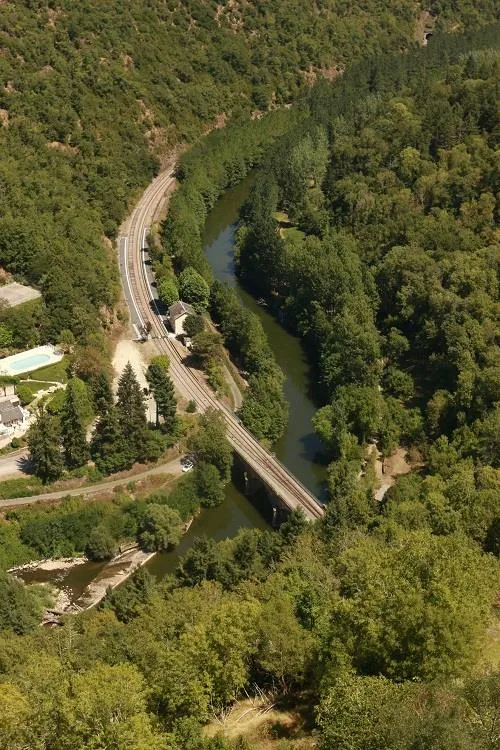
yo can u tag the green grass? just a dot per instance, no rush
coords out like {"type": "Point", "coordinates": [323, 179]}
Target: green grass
{"type": "Point", "coordinates": [23, 487]}
{"type": "Point", "coordinates": [292, 234]}
{"type": "Point", "coordinates": [56, 371]}
{"type": "Point", "coordinates": [282, 217]}
{"type": "Point", "coordinates": [35, 388]}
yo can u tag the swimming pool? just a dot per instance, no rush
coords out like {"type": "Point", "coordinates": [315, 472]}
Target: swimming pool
{"type": "Point", "coordinates": [30, 360]}
{"type": "Point", "coordinates": [30, 363]}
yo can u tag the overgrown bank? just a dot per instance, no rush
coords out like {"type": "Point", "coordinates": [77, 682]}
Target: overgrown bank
{"type": "Point", "coordinates": [220, 161]}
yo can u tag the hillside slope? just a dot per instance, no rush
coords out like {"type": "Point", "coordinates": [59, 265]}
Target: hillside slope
{"type": "Point", "coordinates": [91, 93]}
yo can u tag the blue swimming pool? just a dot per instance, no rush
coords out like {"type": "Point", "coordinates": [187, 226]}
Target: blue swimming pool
{"type": "Point", "coordinates": [24, 364]}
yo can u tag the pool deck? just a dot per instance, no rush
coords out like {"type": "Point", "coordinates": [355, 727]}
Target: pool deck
{"type": "Point", "coordinates": [32, 359]}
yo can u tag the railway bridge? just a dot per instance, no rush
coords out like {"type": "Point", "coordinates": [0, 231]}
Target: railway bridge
{"type": "Point", "coordinates": [286, 491]}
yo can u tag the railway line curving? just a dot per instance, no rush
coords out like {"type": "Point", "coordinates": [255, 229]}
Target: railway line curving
{"type": "Point", "coordinates": [189, 382]}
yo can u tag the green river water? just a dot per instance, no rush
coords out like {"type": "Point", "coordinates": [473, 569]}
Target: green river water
{"type": "Point", "coordinates": [298, 449]}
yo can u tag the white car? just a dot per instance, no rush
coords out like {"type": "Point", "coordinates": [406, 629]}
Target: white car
{"type": "Point", "coordinates": [187, 465]}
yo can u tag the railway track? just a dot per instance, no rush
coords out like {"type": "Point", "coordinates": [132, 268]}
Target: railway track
{"type": "Point", "coordinates": [189, 381]}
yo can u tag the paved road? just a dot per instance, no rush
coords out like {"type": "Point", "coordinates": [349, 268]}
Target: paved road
{"type": "Point", "coordinates": [13, 465]}
{"type": "Point", "coordinates": [140, 294]}
{"type": "Point", "coordinates": [172, 467]}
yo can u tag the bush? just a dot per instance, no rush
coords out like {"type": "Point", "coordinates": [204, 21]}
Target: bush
{"type": "Point", "coordinates": [100, 545]}
{"type": "Point", "coordinates": [159, 528]}
{"type": "Point", "coordinates": [183, 498]}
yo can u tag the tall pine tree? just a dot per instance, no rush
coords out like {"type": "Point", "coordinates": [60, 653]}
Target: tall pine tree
{"type": "Point", "coordinates": [163, 392]}
{"type": "Point", "coordinates": [132, 411]}
{"type": "Point", "coordinates": [103, 396]}
{"type": "Point", "coordinates": [108, 448]}
{"type": "Point", "coordinates": [45, 447]}
{"type": "Point", "coordinates": [73, 433]}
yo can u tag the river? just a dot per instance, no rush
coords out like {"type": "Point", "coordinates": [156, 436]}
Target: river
{"type": "Point", "coordinates": [299, 448]}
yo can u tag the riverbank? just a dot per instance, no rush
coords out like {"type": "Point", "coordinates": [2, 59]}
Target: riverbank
{"type": "Point", "coordinates": [115, 573]}
{"type": "Point", "coordinates": [71, 599]}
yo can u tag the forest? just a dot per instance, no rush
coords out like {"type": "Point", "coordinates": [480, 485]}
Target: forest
{"type": "Point", "coordinates": [93, 95]}
{"type": "Point", "coordinates": [372, 228]}
{"type": "Point", "coordinates": [393, 262]}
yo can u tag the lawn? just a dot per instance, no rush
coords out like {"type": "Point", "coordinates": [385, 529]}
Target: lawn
{"type": "Point", "coordinates": [281, 217]}
{"type": "Point", "coordinates": [34, 388]}
{"type": "Point", "coordinates": [292, 233]}
{"type": "Point", "coordinates": [56, 372]}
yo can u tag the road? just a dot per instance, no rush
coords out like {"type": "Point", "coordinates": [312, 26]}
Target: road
{"type": "Point", "coordinates": [172, 467]}
{"type": "Point", "coordinates": [141, 298]}
{"type": "Point", "coordinates": [13, 465]}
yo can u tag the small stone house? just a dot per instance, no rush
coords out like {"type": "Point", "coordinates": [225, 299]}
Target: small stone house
{"type": "Point", "coordinates": [11, 414]}
{"type": "Point", "coordinates": [177, 314]}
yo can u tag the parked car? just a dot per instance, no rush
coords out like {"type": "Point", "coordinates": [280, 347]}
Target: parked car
{"type": "Point", "coordinates": [187, 464]}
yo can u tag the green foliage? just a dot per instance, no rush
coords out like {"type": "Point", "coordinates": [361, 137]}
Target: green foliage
{"type": "Point", "coordinates": [60, 531]}
{"type": "Point", "coordinates": [102, 394]}
{"type": "Point", "coordinates": [207, 347]}
{"type": "Point", "coordinates": [163, 392]}
{"type": "Point", "coordinates": [22, 487]}
{"type": "Point", "coordinates": [168, 291]}
{"type": "Point", "coordinates": [25, 393]}
{"type": "Point", "coordinates": [183, 498]}
{"type": "Point", "coordinates": [210, 445]}
{"type": "Point", "coordinates": [367, 617]}
{"type": "Point", "coordinates": [73, 433]}
{"type": "Point", "coordinates": [430, 626]}
{"type": "Point", "coordinates": [209, 485]}
{"type": "Point", "coordinates": [44, 447]}
{"type": "Point", "coordinates": [359, 713]}
{"type": "Point", "coordinates": [6, 337]}
{"type": "Point", "coordinates": [193, 288]}
{"type": "Point", "coordinates": [127, 599]}
{"type": "Point", "coordinates": [194, 324]}
{"type": "Point", "coordinates": [108, 447]}
{"type": "Point", "coordinates": [100, 544]}
{"type": "Point", "coordinates": [264, 409]}
{"type": "Point", "coordinates": [131, 410]}
{"type": "Point", "coordinates": [20, 608]}
{"type": "Point", "coordinates": [159, 527]}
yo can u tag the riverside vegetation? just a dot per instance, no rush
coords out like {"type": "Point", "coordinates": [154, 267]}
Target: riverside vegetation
{"type": "Point", "coordinates": [375, 617]}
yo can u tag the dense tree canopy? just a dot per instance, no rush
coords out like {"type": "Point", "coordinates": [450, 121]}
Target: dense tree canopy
{"type": "Point", "coordinates": [377, 616]}
{"type": "Point", "coordinates": [76, 146]}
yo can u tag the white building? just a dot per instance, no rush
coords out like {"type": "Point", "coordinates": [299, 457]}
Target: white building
{"type": "Point", "coordinates": [177, 314]}
{"type": "Point", "coordinates": [11, 414]}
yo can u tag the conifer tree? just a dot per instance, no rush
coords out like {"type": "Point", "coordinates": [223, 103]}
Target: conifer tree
{"type": "Point", "coordinates": [103, 396]}
{"type": "Point", "coordinates": [45, 447]}
{"type": "Point", "coordinates": [108, 448]}
{"type": "Point", "coordinates": [131, 411]}
{"type": "Point", "coordinates": [163, 391]}
{"type": "Point", "coordinates": [73, 433]}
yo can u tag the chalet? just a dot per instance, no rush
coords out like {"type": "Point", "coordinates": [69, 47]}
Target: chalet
{"type": "Point", "coordinates": [11, 414]}
{"type": "Point", "coordinates": [177, 314]}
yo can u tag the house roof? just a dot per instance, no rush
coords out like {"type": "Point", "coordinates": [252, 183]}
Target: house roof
{"type": "Point", "coordinates": [9, 412]}
{"type": "Point", "coordinates": [180, 308]}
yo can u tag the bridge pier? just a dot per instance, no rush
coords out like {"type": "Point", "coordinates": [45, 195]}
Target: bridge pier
{"type": "Point", "coordinates": [264, 498]}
